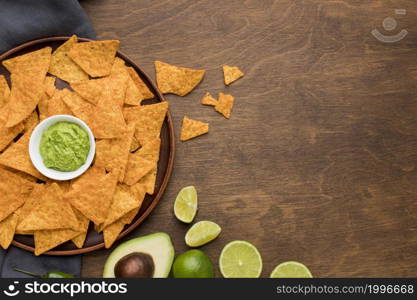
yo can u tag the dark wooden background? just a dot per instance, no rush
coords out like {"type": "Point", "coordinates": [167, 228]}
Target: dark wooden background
{"type": "Point", "coordinates": [318, 162]}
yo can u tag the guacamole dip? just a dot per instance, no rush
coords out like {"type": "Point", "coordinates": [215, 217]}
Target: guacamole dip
{"type": "Point", "coordinates": [64, 146]}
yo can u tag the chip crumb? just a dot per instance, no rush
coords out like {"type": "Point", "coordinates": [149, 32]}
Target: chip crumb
{"type": "Point", "coordinates": [208, 100]}
{"type": "Point", "coordinates": [231, 74]}
{"type": "Point", "coordinates": [192, 128]}
{"type": "Point", "coordinates": [225, 105]}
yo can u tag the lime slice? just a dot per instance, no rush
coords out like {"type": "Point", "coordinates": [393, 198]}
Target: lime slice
{"type": "Point", "coordinates": [291, 269]}
{"type": "Point", "coordinates": [240, 259]}
{"type": "Point", "coordinates": [201, 233]}
{"type": "Point", "coordinates": [185, 206]}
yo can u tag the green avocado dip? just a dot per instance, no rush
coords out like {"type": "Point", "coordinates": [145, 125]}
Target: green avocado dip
{"type": "Point", "coordinates": [64, 146]}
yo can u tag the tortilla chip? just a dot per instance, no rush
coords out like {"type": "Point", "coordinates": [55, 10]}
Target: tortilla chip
{"type": "Point", "coordinates": [113, 154]}
{"type": "Point", "coordinates": [43, 106]}
{"type": "Point", "coordinates": [20, 174]}
{"type": "Point", "coordinates": [50, 212]}
{"type": "Point", "coordinates": [14, 190]}
{"type": "Point", "coordinates": [133, 96]}
{"type": "Point", "coordinates": [95, 58]}
{"type": "Point", "coordinates": [7, 134]}
{"type": "Point", "coordinates": [56, 106]}
{"type": "Point", "coordinates": [135, 144]}
{"type": "Point", "coordinates": [150, 152]}
{"type": "Point", "coordinates": [24, 96]}
{"type": "Point", "coordinates": [34, 63]}
{"type": "Point", "coordinates": [124, 201]}
{"type": "Point", "coordinates": [192, 128]}
{"type": "Point", "coordinates": [114, 90]}
{"type": "Point", "coordinates": [112, 232]}
{"type": "Point", "coordinates": [7, 229]}
{"type": "Point", "coordinates": [208, 100]}
{"type": "Point", "coordinates": [31, 121]}
{"type": "Point", "coordinates": [17, 157]}
{"type": "Point", "coordinates": [137, 167]}
{"type": "Point", "coordinates": [231, 74]}
{"type": "Point", "coordinates": [63, 67]}
{"type": "Point", "coordinates": [92, 193]}
{"type": "Point", "coordinates": [106, 121]}
{"type": "Point", "coordinates": [89, 90]}
{"type": "Point", "coordinates": [143, 88]}
{"type": "Point", "coordinates": [176, 80]}
{"type": "Point", "coordinates": [31, 203]}
{"type": "Point", "coordinates": [225, 105]}
{"type": "Point", "coordinates": [148, 120]}
{"type": "Point", "coordinates": [79, 240]}
{"type": "Point", "coordinates": [4, 91]}
{"type": "Point", "coordinates": [84, 222]}
{"type": "Point", "coordinates": [50, 86]}
{"type": "Point", "coordinates": [47, 239]}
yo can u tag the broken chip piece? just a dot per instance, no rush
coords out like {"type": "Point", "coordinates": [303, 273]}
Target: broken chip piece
{"type": "Point", "coordinates": [225, 105]}
{"type": "Point", "coordinates": [231, 74]}
{"type": "Point", "coordinates": [208, 100]}
{"type": "Point", "coordinates": [192, 128]}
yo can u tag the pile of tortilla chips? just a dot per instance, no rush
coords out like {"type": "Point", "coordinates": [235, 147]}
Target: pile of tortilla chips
{"type": "Point", "coordinates": [107, 95]}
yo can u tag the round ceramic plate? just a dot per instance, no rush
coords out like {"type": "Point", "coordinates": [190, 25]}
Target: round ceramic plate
{"type": "Point", "coordinates": [94, 240]}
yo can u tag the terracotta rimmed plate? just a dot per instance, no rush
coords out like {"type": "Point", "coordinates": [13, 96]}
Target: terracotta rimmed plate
{"type": "Point", "coordinates": [94, 240]}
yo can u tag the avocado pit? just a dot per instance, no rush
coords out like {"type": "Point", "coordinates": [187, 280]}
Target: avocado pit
{"type": "Point", "coordinates": [135, 265]}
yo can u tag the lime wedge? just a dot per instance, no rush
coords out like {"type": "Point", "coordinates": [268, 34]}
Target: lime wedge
{"type": "Point", "coordinates": [291, 269]}
{"type": "Point", "coordinates": [201, 233]}
{"type": "Point", "coordinates": [240, 259]}
{"type": "Point", "coordinates": [185, 206]}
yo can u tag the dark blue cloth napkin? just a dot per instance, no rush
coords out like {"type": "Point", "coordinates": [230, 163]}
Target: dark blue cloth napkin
{"type": "Point", "coordinates": [22, 21]}
{"type": "Point", "coordinates": [25, 20]}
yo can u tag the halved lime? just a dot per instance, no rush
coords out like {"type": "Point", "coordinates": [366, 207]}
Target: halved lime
{"type": "Point", "coordinates": [240, 259]}
{"type": "Point", "coordinates": [201, 233]}
{"type": "Point", "coordinates": [185, 206]}
{"type": "Point", "coordinates": [291, 269]}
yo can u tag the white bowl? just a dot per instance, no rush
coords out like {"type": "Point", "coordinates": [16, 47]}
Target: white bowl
{"type": "Point", "coordinates": [35, 155]}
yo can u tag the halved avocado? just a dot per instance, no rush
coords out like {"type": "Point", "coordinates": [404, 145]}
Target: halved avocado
{"type": "Point", "coordinates": [154, 251]}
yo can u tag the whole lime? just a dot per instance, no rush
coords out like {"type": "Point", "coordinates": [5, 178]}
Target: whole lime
{"type": "Point", "coordinates": [193, 264]}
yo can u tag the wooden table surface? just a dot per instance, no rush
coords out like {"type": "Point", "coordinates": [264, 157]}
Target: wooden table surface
{"type": "Point", "coordinates": [318, 162]}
